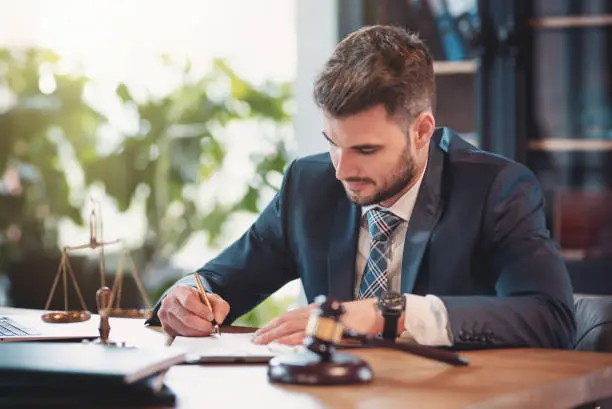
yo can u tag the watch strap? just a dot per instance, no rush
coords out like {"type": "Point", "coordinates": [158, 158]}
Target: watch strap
{"type": "Point", "coordinates": [390, 326]}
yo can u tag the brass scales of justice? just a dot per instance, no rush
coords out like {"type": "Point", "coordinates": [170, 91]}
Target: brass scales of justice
{"type": "Point", "coordinates": [65, 269]}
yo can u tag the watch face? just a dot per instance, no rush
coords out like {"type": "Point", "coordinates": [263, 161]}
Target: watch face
{"type": "Point", "coordinates": [392, 301]}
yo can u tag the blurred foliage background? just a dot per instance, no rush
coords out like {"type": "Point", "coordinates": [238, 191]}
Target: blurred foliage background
{"type": "Point", "coordinates": [48, 130]}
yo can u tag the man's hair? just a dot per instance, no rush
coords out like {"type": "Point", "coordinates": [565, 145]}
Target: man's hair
{"type": "Point", "coordinates": [378, 65]}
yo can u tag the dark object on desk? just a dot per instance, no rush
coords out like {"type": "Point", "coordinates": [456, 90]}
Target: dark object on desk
{"type": "Point", "coordinates": [145, 393]}
{"type": "Point", "coordinates": [321, 365]}
{"type": "Point", "coordinates": [80, 364]}
{"type": "Point", "coordinates": [68, 374]}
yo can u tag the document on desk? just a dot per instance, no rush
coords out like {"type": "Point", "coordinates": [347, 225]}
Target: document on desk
{"type": "Point", "coordinates": [229, 347]}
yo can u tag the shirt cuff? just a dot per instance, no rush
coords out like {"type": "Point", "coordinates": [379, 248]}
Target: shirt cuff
{"type": "Point", "coordinates": [426, 321]}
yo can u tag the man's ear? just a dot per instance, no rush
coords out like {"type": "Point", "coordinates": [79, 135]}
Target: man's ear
{"type": "Point", "coordinates": [424, 127]}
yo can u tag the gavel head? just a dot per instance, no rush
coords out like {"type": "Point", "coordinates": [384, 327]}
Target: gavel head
{"type": "Point", "coordinates": [324, 329]}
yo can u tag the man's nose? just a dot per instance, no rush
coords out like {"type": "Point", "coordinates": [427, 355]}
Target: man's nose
{"type": "Point", "coordinates": [343, 166]}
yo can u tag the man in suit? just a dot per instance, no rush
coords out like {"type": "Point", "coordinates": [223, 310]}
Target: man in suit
{"type": "Point", "coordinates": [397, 206]}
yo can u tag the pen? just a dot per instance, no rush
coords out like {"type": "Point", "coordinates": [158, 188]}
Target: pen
{"type": "Point", "coordinates": [204, 299]}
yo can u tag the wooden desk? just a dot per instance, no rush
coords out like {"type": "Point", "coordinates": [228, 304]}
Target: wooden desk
{"type": "Point", "coordinates": [511, 378]}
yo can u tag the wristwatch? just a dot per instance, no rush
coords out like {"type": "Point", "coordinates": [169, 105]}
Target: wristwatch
{"type": "Point", "coordinates": [392, 305]}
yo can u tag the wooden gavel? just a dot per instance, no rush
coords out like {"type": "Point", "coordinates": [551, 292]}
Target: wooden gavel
{"type": "Point", "coordinates": [320, 364]}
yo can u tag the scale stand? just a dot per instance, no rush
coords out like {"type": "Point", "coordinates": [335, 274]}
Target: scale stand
{"type": "Point", "coordinates": [65, 316]}
{"type": "Point", "coordinates": [117, 311]}
{"type": "Point", "coordinates": [65, 269]}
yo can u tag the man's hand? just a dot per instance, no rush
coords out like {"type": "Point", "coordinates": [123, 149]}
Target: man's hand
{"type": "Point", "coordinates": [290, 328]}
{"type": "Point", "coordinates": [182, 312]}
{"type": "Point", "coordinates": [287, 329]}
{"type": "Point", "coordinates": [363, 316]}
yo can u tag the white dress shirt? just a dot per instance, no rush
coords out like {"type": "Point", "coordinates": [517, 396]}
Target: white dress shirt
{"type": "Point", "coordinates": [426, 318]}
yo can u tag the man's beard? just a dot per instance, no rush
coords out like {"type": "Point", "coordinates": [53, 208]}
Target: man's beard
{"type": "Point", "coordinates": [402, 176]}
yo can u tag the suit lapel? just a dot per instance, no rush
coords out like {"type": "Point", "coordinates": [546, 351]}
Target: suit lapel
{"type": "Point", "coordinates": [343, 250]}
{"type": "Point", "coordinates": [426, 212]}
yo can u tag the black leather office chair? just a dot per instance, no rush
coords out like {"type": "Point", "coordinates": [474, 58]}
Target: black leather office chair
{"type": "Point", "coordinates": [593, 323]}
{"type": "Point", "coordinates": [594, 332]}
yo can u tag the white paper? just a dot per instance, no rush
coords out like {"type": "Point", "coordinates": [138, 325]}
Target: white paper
{"type": "Point", "coordinates": [228, 345]}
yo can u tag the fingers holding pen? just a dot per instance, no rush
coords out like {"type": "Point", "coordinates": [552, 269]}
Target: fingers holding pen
{"type": "Point", "coordinates": [220, 307]}
{"type": "Point", "coordinates": [176, 320]}
{"type": "Point", "coordinates": [189, 299]}
{"type": "Point", "coordinates": [182, 312]}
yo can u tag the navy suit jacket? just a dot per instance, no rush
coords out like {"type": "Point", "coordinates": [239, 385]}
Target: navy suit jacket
{"type": "Point", "coordinates": [477, 238]}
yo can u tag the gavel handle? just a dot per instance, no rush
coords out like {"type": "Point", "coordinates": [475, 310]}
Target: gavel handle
{"type": "Point", "coordinates": [441, 355]}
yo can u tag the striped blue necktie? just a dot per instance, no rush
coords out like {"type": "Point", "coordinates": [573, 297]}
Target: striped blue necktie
{"type": "Point", "coordinates": [374, 281]}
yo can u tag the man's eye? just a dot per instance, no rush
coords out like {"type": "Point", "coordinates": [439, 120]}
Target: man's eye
{"type": "Point", "coordinates": [367, 151]}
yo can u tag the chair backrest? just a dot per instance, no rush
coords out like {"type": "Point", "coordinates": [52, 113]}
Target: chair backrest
{"type": "Point", "coordinates": [593, 323]}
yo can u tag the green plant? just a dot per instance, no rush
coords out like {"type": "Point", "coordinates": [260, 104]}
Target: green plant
{"type": "Point", "coordinates": [177, 147]}
{"type": "Point", "coordinates": [46, 126]}
{"type": "Point", "coordinates": [264, 312]}
{"type": "Point", "coordinates": [182, 129]}
{"type": "Point", "coordinates": [44, 122]}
